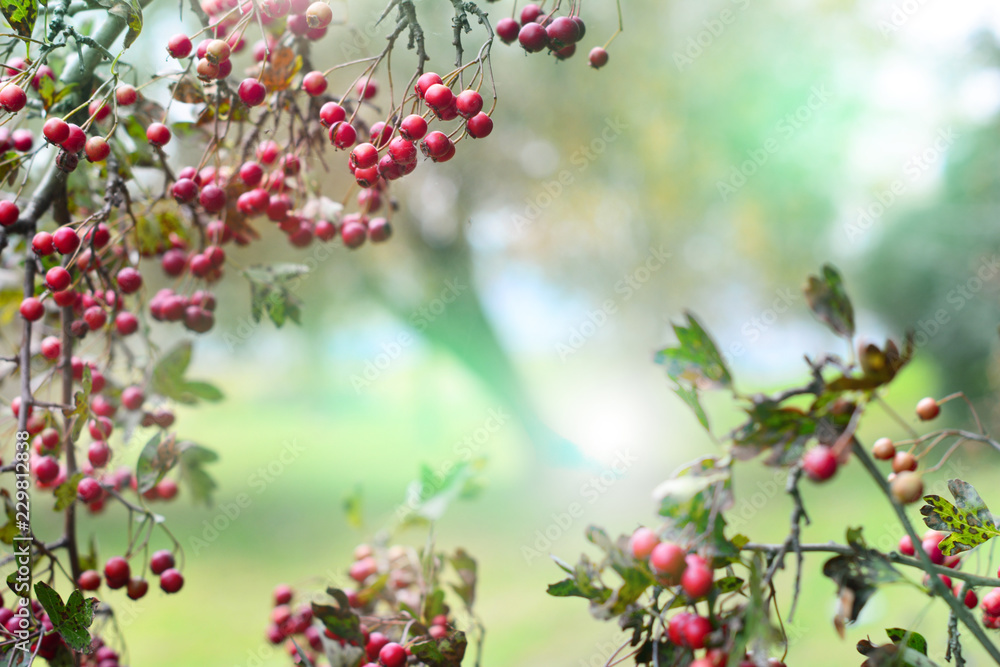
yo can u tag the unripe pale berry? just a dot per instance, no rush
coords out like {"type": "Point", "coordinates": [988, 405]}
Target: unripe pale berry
{"type": "Point", "coordinates": [907, 487]}
{"type": "Point", "coordinates": [903, 461]}
{"type": "Point", "coordinates": [883, 449]}
{"type": "Point", "coordinates": [319, 15]}
{"type": "Point", "coordinates": [928, 409]}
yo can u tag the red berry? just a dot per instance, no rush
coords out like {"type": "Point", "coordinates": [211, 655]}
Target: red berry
{"type": "Point", "coordinates": [137, 588]}
{"type": "Point", "coordinates": [928, 409]}
{"type": "Point", "coordinates": [364, 156]}
{"type": "Point", "coordinates": [89, 580]}
{"type": "Point", "coordinates": [126, 95]}
{"type": "Point", "coordinates": [479, 126]}
{"type": "Point", "coordinates": [129, 280]}
{"type": "Point", "coordinates": [425, 81]}
{"type": "Point", "coordinates": [12, 98]}
{"type": "Point", "coordinates": [331, 113]}
{"type": "Point", "coordinates": [161, 561]}
{"type": "Point", "coordinates": [530, 13]}
{"type": "Point", "coordinates": [696, 631]}
{"type": "Point", "coordinates": [126, 323]}
{"type": "Point", "coordinates": [366, 178]}
{"type": "Point", "coordinates": [439, 96]}
{"type": "Point", "coordinates": [392, 655]}
{"type": "Point", "coordinates": [413, 127]}
{"type": "Point", "coordinates": [507, 29]}
{"type": "Point", "coordinates": [991, 602]}
{"type": "Point", "coordinates": [675, 628]}
{"type": "Point", "coordinates": [212, 198]}
{"type": "Point", "coordinates": [96, 149]}
{"type": "Point", "coordinates": [41, 243]}
{"type": "Point", "coordinates": [171, 581]}
{"type": "Point", "coordinates": [435, 144]}
{"type": "Point", "coordinates": [282, 594]}
{"type": "Point", "coordinates": [820, 463]}
{"type": "Point", "coordinates": [598, 57]}
{"type": "Point", "coordinates": [174, 262]}
{"type": "Point", "coordinates": [132, 398]}
{"type": "Point", "coordinates": [9, 213]}
{"type": "Point", "coordinates": [217, 51]}
{"type": "Point", "coordinates": [469, 103]}
{"type": "Point", "coordinates": [904, 461]}
{"type": "Point", "coordinates": [58, 278]}
{"type": "Point", "coordinates": [667, 559]}
{"type": "Point", "coordinates": [116, 568]}
{"type": "Point", "coordinates": [89, 489]}
{"type": "Point", "coordinates": [95, 317]}
{"type": "Point", "coordinates": [379, 230]}
{"type": "Point", "coordinates": [98, 453]}
{"type": "Point", "coordinates": [66, 240]}
{"type": "Point", "coordinates": [51, 348]}
{"type": "Point", "coordinates": [562, 31]}
{"type": "Point", "coordinates": [325, 230]}
{"type": "Point", "coordinates": [343, 134]}
{"type": "Point", "coordinates": [158, 134]}
{"type": "Point", "coordinates": [971, 599]}
{"type": "Point", "coordinates": [55, 130]}
{"type": "Point", "coordinates": [252, 92]}
{"type": "Point", "coordinates": [46, 469]}
{"type": "Point", "coordinates": [402, 152]}
{"type": "Point", "coordinates": [251, 174]}
{"type": "Point", "coordinates": [179, 46]}
{"type": "Point", "coordinates": [366, 89]}
{"type": "Point", "coordinates": [697, 579]}
{"type": "Point", "coordinates": [532, 37]}
{"type": "Point", "coordinates": [76, 141]}
{"type": "Point", "coordinates": [353, 234]}
{"type": "Point", "coordinates": [906, 546]}
{"type": "Point", "coordinates": [32, 309]}
{"type": "Point", "coordinates": [376, 642]}
{"type": "Point", "coordinates": [642, 543]}
{"type": "Point", "coordinates": [314, 83]}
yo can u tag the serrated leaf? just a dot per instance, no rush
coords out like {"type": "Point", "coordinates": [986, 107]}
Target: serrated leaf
{"type": "Point", "coordinates": [781, 431]}
{"type": "Point", "coordinates": [160, 454]}
{"type": "Point", "coordinates": [858, 576]}
{"type": "Point", "coordinates": [465, 567]}
{"type": "Point", "coordinates": [566, 588]}
{"type": "Point", "coordinates": [199, 483]}
{"type": "Point", "coordinates": [695, 360]}
{"type": "Point", "coordinates": [449, 651]}
{"type": "Point", "coordinates": [72, 619]}
{"type": "Point", "coordinates": [690, 396]}
{"type": "Point", "coordinates": [914, 640]}
{"type": "Point", "coordinates": [131, 11]}
{"type": "Point", "coordinates": [340, 619]}
{"type": "Point", "coordinates": [829, 302]}
{"type": "Point", "coordinates": [966, 528]}
{"type": "Point", "coordinates": [20, 15]}
{"type": "Point", "coordinates": [168, 378]}
{"type": "Point", "coordinates": [65, 493]}
{"type": "Point", "coordinates": [81, 404]}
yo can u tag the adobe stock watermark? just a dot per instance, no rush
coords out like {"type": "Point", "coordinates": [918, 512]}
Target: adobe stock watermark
{"type": "Point", "coordinates": [756, 326]}
{"type": "Point", "coordinates": [590, 491]}
{"type": "Point", "coordinates": [229, 512]}
{"type": "Point", "coordinates": [581, 159]}
{"type": "Point", "coordinates": [420, 319]}
{"type": "Point", "coordinates": [711, 30]}
{"type": "Point", "coordinates": [900, 15]}
{"type": "Point", "coordinates": [957, 298]}
{"type": "Point", "coordinates": [785, 129]}
{"type": "Point", "coordinates": [465, 450]}
{"type": "Point", "coordinates": [625, 289]}
{"type": "Point", "coordinates": [916, 165]}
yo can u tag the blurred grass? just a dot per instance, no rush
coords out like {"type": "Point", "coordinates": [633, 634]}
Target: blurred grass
{"type": "Point", "coordinates": [294, 530]}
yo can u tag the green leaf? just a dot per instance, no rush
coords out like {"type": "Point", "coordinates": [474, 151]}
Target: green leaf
{"type": "Point", "coordinates": [695, 499]}
{"type": "Point", "coordinates": [81, 404]}
{"type": "Point", "coordinates": [428, 497]}
{"type": "Point", "coordinates": [566, 588]}
{"type": "Point", "coordinates": [690, 396]}
{"type": "Point", "coordinates": [21, 15]}
{"type": "Point", "coordinates": [71, 619]}
{"type": "Point", "coordinates": [449, 651]}
{"type": "Point", "coordinates": [157, 458]}
{"type": "Point", "coordinates": [968, 525]}
{"type": "Point", "coordinates": [198, 482]}
{"type": "Point", "coordinates": [131, 11]}
{"type": "Point", "coordinates": [340, 619]}
{"type": "Point", "coordinates": [465, 567]}
{"type": "Point", "coordinates": [204, 391]}
{"type": "Point", "coordinates": [66, 492]}
{"type": "Point", "coordinates": [353, 507]}
{"type": "Point", "coordinates": [912, 639]}
{"type": "Point", "coordinates": [695, 361]}
{"type": "Point", "coordinates": [784, 431]}
{"type": "Point", "coordinates": [828, 300]}
{"type": "Point", "coordinates": [168, 378]}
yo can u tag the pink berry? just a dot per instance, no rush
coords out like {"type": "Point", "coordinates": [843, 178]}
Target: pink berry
{"type": "Point", "coordinates": [252, 92]}
{"type": "Point", "coordinates": [179, 46]}
{"type": "Point", "coordinates": [479, 126]}
{"type": "Point", "coordinates": [314, 83]}
{"type": "Point", "coordinates": [158, 134]}
{"type": "Point", "coordinates": [9, 213]}
{"type": "Point", "coordinates": [820, 463]}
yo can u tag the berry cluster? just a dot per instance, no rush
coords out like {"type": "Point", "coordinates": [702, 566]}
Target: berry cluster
{"type": "Point", "coordinates": [538, 31]}
{"type": "Point", "coordinates": [673, 566]}
{"type": "Point", "coordinates": [47, 641]}
{"type": "Point", "coordinates": [118, 574]}
{"type": "Point", "coordinates": [389, 586]}
{"type": "Point", "coordinates": [906, 483]}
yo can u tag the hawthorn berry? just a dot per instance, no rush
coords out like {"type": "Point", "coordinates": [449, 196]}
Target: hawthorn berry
{"type": "Point", "coordinates": [314, 83]}
{"type": "Point", "coordinates": [928, 409]}
{"type": "Point", "coordinates": [598, 57]}
{"type": "Point", "coordinates": [364, 156]}
{"type": "Point", "coordinates": [401, 151]}
{"type": "Point", "coordinates": [530, 13]}
{"type": "Point", "coordinates": [89, 580]}
{"type": "Point", "coordinates": [98, 453]}
{"type": "Point", "coordinates": [95, 317]}
{"type": "Point", "coordinates": [212, 198]}
{"type": "Point", "coordinates": [41, 244]}
{"type": "Point", "coordinates": [562, 32]}
{"type": "Point", "coordinates": [55, 130]}
{"type": "Point", "coordinates": [161, 561]}
{"type": "Point", "coordinates": [9, 213]}
{"type": "Point", "coordinates": [46, 469]}
{"type": "Point", "coordinates": [642, 543]}
{"type": "Point", "coordinates": [820, 463]}
{"type": "Point", "coordinates": [51, 348]}
{"type": "Point", "coordinates": [379, 230]}
{"type": "Point", "coordinates": [479, 126]}
{"type": "Point", "coordinates": [319, 15]}
{"type": "Point", "coordinates": [697, 578]}
{"type": "Point", "coordinates": [468, 103]}
{"type": "Point", "coordinates": [353, 235]}
{"type": "Point", "coordinates": [76, 140]}
{"type": "Point", "coordinates": [217, 51]}
{"type": "Point", "coordinates": [137, 588]}
{"type": "Point", "coordinates": [366, 89]}
{"type": "Point", "coordinates": [435, 144]}
{"type": "Point", "coordinates": [129, 280]}
{"type": "Point", "coordinates": [343, 135]}
{"type": "Point", "coordinates": [12, 98]}
{"type": "Point", "coordinates": [392, 655]}
{"type": "Point", "coordinates": [207, 70]}
{"type": "Point", "coordinates": [532, 37]}
{"type": "Point", "coordinates": [116, 569]}
{"type": "Point", "coordinates": [413, 127]}
{"type": "Point", "coordinates": [171, 580]}
{"type": "Point", "coordinates": [903, 461]}
{"type": "Point", "coordinates": [991, 602]}
{"type": "Point", "coordinates": [126, 95]}
{"type": "Point", "coordinates": [65, 240]}
{"type": "Point", "coordinates": [883, 449]}
{"type": "Point", "coordinates": [58, 278]}
{"type": "Point", "coordinates": [906, 546]}
{"type": "Point", "coordinates": [380, 133]}
{"type": "Point", "coordinates": [696, 631]}
{"type": "Point", "coordinates": [331, 113]}
{"type": "Point", "coordinates": [425, 81]}
{"type": "Point", "coordinates": [179, 46]}
{"type": "Point", "coordinates": [507, 29]}
{"type": "Point", "coordinates": [97, 149]}
{"type": "Point", "coordinates": [376, 642]}
{"type": "Point", "coordinates": [907, 487]}
{"type": "Point", "coordinates": [158, 134]}
{"type": "Point", "coordinates": [126, 323]}
{"type": "Point", "coordinates": [325, 230]}
{"type": "Point", "coordinates": [252, 92]}
{"type": "Point", "coordinates": [439, 96]}
{"type": "Point", "coordinates": [32, 309]}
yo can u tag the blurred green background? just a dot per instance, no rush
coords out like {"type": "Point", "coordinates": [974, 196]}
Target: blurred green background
{"type": "Point", "coordinates": [727, 150]}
